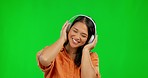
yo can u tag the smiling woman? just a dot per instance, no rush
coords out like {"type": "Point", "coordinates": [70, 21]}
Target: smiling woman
{"type": "Point", "coordinates": [70, 56]}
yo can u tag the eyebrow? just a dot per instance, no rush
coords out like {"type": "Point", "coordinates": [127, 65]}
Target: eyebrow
{"type": "Point", "coordinates": [82, 32]}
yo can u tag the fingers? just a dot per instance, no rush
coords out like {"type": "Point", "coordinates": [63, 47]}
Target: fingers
{"type": "Point", "coordinates": [65, 25]}
{"type": "Point", "coordinates": [63, 33]}
{"type": "Point", "coordinates": [91, 45]}
{"type": "Point", "coordinates": [95, 41]}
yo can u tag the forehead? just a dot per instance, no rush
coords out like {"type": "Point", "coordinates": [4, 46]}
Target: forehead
{"type": "Point", "coordinates": [81, 27]}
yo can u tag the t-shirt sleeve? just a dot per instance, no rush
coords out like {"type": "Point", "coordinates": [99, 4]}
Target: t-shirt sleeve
{"type": "Point", "coordinates": [44, 68]}
{"type": "Point", "coordinates": [95, 62]}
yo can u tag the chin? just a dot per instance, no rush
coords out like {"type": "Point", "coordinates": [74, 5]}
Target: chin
{"type": "Point", "coordinates": [74, 46]}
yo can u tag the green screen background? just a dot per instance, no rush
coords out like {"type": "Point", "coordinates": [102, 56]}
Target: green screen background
{"type": "Point", "coordinates": [27, 26]}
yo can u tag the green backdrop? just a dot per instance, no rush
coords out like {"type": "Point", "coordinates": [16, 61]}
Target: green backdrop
{"type": "Point", "coordinates": [26, 26]}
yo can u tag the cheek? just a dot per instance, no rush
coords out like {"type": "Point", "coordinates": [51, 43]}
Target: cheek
{"type": "Point", "coordinates": [69, 34]}
{"type": "Point", "coordinates": [84, 40]}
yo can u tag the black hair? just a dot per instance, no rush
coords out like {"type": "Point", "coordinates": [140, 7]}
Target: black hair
{"type": "Point", "coordinates": [91, 31]}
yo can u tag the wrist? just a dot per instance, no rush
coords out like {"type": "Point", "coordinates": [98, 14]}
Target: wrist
{"type": "Point", "coordinates": [62, 40]}
{"type": "Point", "coordinates": [85, 50]}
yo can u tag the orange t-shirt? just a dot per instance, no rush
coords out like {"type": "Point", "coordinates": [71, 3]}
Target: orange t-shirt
{"type": "Point", "coordinates": [64, 67]}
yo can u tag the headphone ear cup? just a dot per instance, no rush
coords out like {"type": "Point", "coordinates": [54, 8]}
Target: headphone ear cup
{"type": "Point", "coordinates": [91, 39]}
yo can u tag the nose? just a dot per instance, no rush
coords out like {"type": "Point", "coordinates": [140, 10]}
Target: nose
{"type": "Point", "coordinates": [77, 37]}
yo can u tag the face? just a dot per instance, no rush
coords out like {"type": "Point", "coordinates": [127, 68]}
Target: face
{"type": "Point", "coordinates": [78, 35]}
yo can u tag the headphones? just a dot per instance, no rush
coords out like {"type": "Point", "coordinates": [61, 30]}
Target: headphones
{"type": "Point", "coordinates": [74, 17]}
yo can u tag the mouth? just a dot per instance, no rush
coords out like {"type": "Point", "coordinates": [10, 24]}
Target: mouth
{"type": "Point", "coordinates": [75, 41]}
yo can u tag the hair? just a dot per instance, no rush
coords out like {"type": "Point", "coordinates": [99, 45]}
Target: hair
{"type": "Point", "coordinates": [91, 31]}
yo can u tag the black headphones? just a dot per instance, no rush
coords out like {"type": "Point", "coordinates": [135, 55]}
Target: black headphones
{"type": "Point", "coordinates": [74, 17]}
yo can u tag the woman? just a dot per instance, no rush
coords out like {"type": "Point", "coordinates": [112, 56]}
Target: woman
{"type": "Point", "coordinates": [70, 56]}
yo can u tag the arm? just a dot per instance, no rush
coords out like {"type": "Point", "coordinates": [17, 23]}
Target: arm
{"type": "Point", "coordinates": [86, 62]}
{"type": "Point", "coordinates": [47, 55]}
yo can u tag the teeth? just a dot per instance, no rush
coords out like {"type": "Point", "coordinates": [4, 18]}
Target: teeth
{"type": "Point", "coordinates": [74, 40]}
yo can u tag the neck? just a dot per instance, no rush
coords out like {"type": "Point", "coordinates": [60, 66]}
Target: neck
{"type": "Point", "coordinates": [71, 51]}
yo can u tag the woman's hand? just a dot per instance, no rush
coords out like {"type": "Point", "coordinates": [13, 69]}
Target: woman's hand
{"type": "Point", "coordinates": [90, 46]}
{"type": "Point", "coordinates": [63, 31]}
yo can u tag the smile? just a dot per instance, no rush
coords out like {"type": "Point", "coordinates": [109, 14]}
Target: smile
{"type": "Point", "coordinates": [75, 42]}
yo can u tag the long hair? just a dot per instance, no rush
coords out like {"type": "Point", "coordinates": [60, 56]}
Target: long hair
{"type": "Point", "coordinates": [91, 31]}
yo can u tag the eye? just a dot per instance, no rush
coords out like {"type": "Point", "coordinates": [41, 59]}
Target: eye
{"type": "Point", "coordinates": [75, 31]}
{"type": "Point", "coordinates": [84, 36]}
